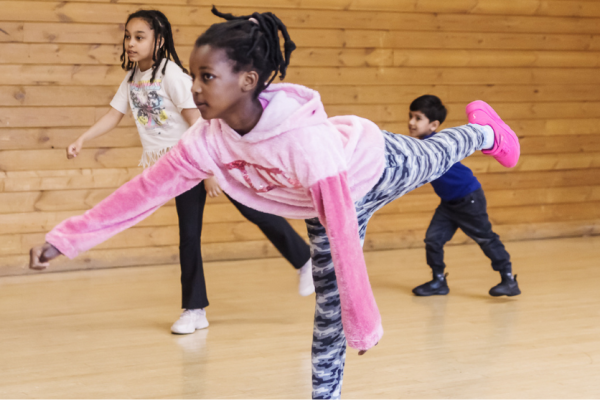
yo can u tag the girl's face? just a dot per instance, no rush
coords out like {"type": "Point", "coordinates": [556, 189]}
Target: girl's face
{"type": "Point", "coordinates": [218, 91]}
{"type": "Point", "coordinates": [139, 42]}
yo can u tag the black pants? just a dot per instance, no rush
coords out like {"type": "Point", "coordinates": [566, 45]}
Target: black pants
{"type": "Point", "coordinates": [190, 208]}
{"type": "Point", "coordinates": [469, 214]}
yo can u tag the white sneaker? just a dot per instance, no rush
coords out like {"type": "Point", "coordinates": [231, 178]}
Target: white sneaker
{"type": "Point", "coordinates": [306, 285]}
{"type": "Point", "coordinates": [189, 321]}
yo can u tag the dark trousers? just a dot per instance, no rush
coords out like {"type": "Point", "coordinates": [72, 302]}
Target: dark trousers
{"type": "Point", "coordinates": [470, 215]}
{"type": "Point", "coordinates": [190, 209]}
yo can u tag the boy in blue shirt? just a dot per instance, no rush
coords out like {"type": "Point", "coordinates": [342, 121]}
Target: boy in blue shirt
{"type": "Point", "coordinates": [463, 206]}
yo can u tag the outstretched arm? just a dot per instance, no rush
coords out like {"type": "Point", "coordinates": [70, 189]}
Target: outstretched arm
{"type": "Point", "coordinates": [105, 124]}
{"type": "Point", "coordinates": [360, 315]}
{"type": "Point", "coordinates": [172, 175]}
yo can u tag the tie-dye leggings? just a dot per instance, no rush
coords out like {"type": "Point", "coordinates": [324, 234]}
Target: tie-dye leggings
{"type": "Point", "coordinates": [409, 163]}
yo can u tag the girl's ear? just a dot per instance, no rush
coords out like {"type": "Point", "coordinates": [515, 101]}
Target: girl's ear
{"type": "Point", "coordinates": [248, 81]}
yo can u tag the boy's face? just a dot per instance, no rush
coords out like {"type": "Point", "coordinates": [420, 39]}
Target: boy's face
{"type": "Point", "coordinates": [419, 125]}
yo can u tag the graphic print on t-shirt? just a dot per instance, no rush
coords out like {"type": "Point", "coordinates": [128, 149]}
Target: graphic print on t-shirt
{"type": "Point", "coordinates": [147, 105]}
{"type": "Point", "coordinates": [259, 178]}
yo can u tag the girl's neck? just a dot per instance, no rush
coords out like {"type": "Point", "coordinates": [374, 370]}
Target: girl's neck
{"type": "Point", "coordinates": [245, 117]}
{"type": "Point", "coordinates": [145, 65]}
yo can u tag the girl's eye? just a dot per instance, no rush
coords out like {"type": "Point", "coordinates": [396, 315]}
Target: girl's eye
{"type": "Point", "coordinates": [207, 77]}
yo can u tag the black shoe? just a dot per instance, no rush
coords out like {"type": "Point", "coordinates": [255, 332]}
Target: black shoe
{"type": "Point", "coordinates": [439, 286]}
{"type": "Point", "coordinates": [508, 287]}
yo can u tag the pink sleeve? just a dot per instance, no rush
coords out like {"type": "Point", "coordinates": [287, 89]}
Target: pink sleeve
{"type": "Point", "coordinates": [360, 315]}
{"type": "Point", "coordinates": [128, 205]}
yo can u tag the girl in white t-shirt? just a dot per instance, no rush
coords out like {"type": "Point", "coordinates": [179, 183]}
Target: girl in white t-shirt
{"type": "Point", "coordinates": [157, 89]}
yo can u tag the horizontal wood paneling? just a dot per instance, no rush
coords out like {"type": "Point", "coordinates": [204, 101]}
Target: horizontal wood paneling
{"type": "Point", "coordinates": [23, 95]}
{"type": "Point", "coordinates": [113, 75]}
{"type": "Point", "coordinates": [376, 20]}
{"type": "Point", "coordinates": [566, 8]}
{"type": "Point", "coordinates": [535, 61]}
{"type": "Point", "coordinates": [109, 54]}
{"type": "Point", "coordinates": [112, 34]}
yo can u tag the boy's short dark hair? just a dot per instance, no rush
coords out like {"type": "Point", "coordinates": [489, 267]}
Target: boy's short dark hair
{"type": "Point", "coordinates": [431, 106]}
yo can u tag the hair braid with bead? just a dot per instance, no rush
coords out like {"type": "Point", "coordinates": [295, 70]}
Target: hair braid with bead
{"type": "Point", "coordinates": [164, 47]}
{"type": "Point", "coordinates": [252, 42]}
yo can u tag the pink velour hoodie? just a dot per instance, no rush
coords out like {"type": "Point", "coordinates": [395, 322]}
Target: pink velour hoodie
{"type": "Point", "coordinates": [296, 163]}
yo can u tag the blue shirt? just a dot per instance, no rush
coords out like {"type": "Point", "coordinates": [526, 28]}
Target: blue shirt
{"type": "Point", "coordinates": [457, 182]}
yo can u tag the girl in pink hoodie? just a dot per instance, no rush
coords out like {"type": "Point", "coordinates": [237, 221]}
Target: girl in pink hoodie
{"type": "Point", "coordinates": [273, 148]}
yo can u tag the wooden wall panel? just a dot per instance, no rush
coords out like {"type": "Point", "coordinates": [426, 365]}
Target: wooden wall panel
{"type": "Point", "coordinates": [536, 61]}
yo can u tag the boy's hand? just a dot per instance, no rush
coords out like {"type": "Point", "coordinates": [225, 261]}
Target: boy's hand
{"type": "Point", "coordinates": [74, 149]}
{"type": "Point", "coordinates": [39, 256]}
{"type": "Point", "coordinates": [212, 187]}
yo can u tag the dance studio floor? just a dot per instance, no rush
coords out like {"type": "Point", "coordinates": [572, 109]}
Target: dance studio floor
{"type": "Point", "coordinates": [105, 334]}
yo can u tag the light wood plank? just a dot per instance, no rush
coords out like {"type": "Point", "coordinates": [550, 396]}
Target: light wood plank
{"type": "Point", "coordinates": [525, 7]}
{"type": "Point", "coordinates": [60, 138]}
{"type": "Point", "coordinates": [348, 38]}
{"type": "Point", "coordinates": [11, 32]}
{"type": "Point", "coordinates": [331, 95]}
{"type": "Point", "coordinates": [321, 76]}
{"type": "Point", "coordinates": [34, 160]}
{"type": "Point", "coordinates": [56, 95]}
{"type": "Point", "coordinates": [566, 136]}
{"type": "Point", "coordinates": [74, 200]}
{"type": "Point", "coordinates": [510, 111]}
{"type": "Point", "coordinates": [42, 117]}
{"type": "Point", "coordinates": [182, 15]}
{"type": "Point", "coordinates": [95, 54]}
{"type": "Point", "coordinates": [26, 181]}
{"type": "Point", "coordinates": [66, 179]}
{"type": "Point", "coordinates": [398, 94]}
{"type": "Point", "coordinates": [541, 162]}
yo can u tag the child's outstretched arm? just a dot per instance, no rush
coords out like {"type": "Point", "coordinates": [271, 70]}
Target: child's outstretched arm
{"type": "Point", "coordinates": [172, 175]}
{"type": "Point", "coordinates": [105, 124]}
{"type": "Point", "coordinates": [360, 315]}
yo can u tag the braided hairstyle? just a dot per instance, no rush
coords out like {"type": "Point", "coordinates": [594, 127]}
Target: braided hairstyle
{"type": "Point", "coordinates": [162, 32]}
{"type": "Point", "coordinates": [252, 42]}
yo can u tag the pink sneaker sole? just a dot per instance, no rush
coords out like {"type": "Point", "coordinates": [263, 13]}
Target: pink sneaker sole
{"type": "Point", "coordinates": [506, 148]}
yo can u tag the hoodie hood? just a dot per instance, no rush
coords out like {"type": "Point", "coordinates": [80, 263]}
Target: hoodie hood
{"type": "Point", "coordinates": [286, 107]}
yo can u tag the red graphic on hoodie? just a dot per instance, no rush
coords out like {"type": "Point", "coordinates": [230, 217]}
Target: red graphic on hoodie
{"type": "Point", "coordinates": [261, 179]}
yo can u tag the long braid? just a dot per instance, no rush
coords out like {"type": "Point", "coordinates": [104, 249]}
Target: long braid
{"type": "Point", "coordinates": [162, 33]}
{"type": "Point", "coordinates": [252, 41]}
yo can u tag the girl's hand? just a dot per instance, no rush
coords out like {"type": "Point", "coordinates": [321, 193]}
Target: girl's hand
{"type": "Point", "coordinates": [39, 256]}
{"type": "Point", "coordinates": [212, 187]}
{"type": "Point", "coordinates": [361, 352]}
{"type": "Point", "coordinates": [74, 148]}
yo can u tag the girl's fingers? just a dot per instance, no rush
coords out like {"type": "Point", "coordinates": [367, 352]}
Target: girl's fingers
{"type": "Point", "coordinates": [40, 266]}
{"type": "Point", "coordinates": [34, 259]}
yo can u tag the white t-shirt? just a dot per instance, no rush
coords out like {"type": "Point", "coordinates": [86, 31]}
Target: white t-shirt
{"type": "Point", "coordinates": [156, 107]}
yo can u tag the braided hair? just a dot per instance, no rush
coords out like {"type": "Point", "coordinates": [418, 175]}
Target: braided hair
{"type": "Point", "coordinates": [162, 32]}
{"type": "Point", "coordinates": [252, 42]}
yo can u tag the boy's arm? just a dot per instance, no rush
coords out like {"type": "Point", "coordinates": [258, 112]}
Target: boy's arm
{"type": "Point", "coordinates": [172, 175]}
{"type": "Point", "coordinates": [360, 315]}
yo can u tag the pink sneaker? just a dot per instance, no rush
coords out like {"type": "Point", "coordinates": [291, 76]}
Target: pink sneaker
{"type": "Point", "coordinates": [506, 148]}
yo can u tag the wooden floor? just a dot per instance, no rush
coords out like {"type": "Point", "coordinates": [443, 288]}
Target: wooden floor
{"type": "Point", "coordinates": [105, 334]}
